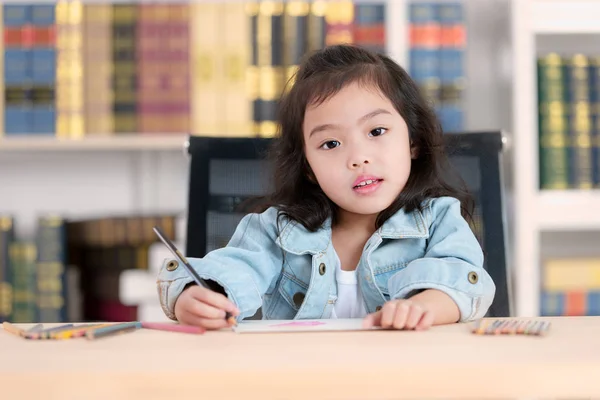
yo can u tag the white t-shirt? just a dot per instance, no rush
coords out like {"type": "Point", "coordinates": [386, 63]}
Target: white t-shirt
{"type": "Point", "coordinates": [350, 303]}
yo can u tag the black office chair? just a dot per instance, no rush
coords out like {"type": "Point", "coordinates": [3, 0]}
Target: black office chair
{"type": "Point", "coordinates": [227, 174]}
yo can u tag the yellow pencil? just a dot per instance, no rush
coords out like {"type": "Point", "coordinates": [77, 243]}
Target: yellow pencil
{"type": "Point", "coordinates": [76, 331]}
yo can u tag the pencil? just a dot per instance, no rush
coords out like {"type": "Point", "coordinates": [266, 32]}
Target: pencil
{"type": "Point", "coordinates": [36, 328]}
{"type": "Point", "coordinates": [113, 329]}
{"type": "Point", "coordinates": [173, 327]}
{"type": "Point", "coordinates": [15, 330]}
{"type": "Point", "coordinates": [46, 333]}
{"type": "Point", "coordinates": [75, 331]}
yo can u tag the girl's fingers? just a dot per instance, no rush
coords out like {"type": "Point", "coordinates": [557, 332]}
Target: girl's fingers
{"type": "Point", "coordinates": [414, 316]}
{"type": "Point", "coordinates": [401, 315]}
{"type": "Point", "coordinates": [426, 321]}
{"type": "Point", "coordinates": [213, 298]}
{"type": "Point", "coordinates": [192, 319]}
{"type": "Point", "coordinates": [388, 314]}
{"type": "Point", "coordinates": [204, 310]}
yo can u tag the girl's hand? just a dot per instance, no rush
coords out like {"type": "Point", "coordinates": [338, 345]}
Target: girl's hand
{"type": "Point", "coordinates": [203, 307]}
{"type": "Point", "coordinates": [401, 314]}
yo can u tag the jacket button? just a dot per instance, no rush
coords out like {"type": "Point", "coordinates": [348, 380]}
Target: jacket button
{"type": "Point", "coordinates": [378, 308]}
{"type": "Point", "coordinates": [298, 299]}
{"type": "Point", "coordinates": [172, 265]}
{"type": "Point", "coordinates": [322, 269]}
{"type": "Point", "coordinates": [473, 277]}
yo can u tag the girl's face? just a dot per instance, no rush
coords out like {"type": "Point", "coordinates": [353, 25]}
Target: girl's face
{"type": "Point", "coordinates": [358, 147]}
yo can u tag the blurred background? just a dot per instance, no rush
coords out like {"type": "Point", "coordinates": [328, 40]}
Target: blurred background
{"type": "Point", "coordinates": [100, 96]}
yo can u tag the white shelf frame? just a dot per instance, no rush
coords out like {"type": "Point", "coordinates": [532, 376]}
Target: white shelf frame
{"type": "Point", "coordinates": [113, 142]}
{"type": "Point", "coordinates": [538, 211]}
{"type": "Point", "coordinates": [565, 16]}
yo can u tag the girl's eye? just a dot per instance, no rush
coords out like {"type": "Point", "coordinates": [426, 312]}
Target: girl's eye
{"type": "Point", "coordinates": [377, 132]}
{"type": "Point", "coordinates": [330, 144]}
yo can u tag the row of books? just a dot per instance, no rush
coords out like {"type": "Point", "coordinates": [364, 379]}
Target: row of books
{"type": "Point", "coordinates": [570, 286]}
{"type": "Point", "coordinates": [213, 68]}
{"type": "Point", "coordinates": [437, 47]}
{"type": "Point", "coordinates": [71, 270]}
{"type": "Point", "coordinates": [569, 121]}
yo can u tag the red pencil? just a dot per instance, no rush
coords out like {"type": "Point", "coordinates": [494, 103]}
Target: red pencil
{"type": "Point", "coordinates": [173, 327]}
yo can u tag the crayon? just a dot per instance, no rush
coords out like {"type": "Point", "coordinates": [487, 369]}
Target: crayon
{"type": "Point", "coordinates": [173, 327]}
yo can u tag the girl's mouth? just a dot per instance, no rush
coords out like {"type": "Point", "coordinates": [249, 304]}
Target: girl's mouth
{"type": "Point", "coordinates": [367, 186]}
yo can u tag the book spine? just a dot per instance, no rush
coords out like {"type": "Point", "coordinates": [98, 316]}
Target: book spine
{"type": "Point", "coordinates": [22, 260]}
{"type": "Point", "coordinates": [51, 266]}
{"type": "Point", "coordinates": [553, 140]}
{"type": "Point", "coordinates": [6, 288]}
{"type": "Point", "coordinates": [594, 77]}
{"type": "Point", "coordinates": [207, 103]}
{"type": "Point", "coordinates": [252, 75]}
{"type": "Point", "coordinates": [151, 39]}
{"type": "Point", "coordinates": [17, 69]}
{"type": "Point", "coordinates": [178, 69]}
{"type": "Point", "coordinates": [369, 26]}
{"type": "Point", "coordinates": [124, 68]}
{"type": "Point", "coordinates": [271, 70]}
{"type": "Point", "coordinates": [339, 19]}
{"type": "Point", "coordinates": [424, 47]}
{"type": "Point", "coordinates": [97, 60]}
{"type": "Point", "coordinates": [69, 76]}
{"type": "Point", "coordinates": [451, 66]}
{"type": "Point", "coordinates": [235, 31]}
{"type": "Point", "coordinates": [43, 69]}
{"type": "Point", "coordinates": [317, 27]}
{"type": "Point", "coordinates": [579, 122]}
{"type": "Point", "coordinates": [295, 45]}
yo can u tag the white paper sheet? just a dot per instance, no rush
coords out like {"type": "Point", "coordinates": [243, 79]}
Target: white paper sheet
{"type": "Point", "coordinates": [304, 325]}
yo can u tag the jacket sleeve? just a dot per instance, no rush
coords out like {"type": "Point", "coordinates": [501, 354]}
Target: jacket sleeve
{"type": "Point", "coordinates": [452, 263]}
{"type": "Point", "coordinates": [245, 268]}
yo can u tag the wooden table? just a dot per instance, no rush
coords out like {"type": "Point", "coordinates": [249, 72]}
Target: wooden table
{"type": "Point", "coordinates": [444, 362]}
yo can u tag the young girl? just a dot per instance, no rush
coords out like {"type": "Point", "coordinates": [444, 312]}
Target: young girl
{"type": "Point", "coordinates": [363, 222]}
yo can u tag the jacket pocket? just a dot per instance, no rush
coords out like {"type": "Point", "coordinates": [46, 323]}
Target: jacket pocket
{"type": "Point", "coordinates": [293, 291]}
{"type": "Point", "coordinates": [383, 274]}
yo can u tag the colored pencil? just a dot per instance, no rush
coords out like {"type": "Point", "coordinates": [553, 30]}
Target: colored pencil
{"type": "Point", "coordinates": [76, 331]}
{"type": "Point", "coordinates": [511, 326]}
{"type": "Point", "coordinates": [15, 330]}
{"type": "Point", "coordinates": [173, 327]}
{"type": "Point", "coordinates": [36, 328]}
{"type": "Point", "coordinates": [46, 333]}
{"type": "Point", "coordinates": [113, 329]}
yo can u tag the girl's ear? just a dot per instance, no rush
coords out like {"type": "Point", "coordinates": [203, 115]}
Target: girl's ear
{"type": "Point", "coordinates": [414, 152]}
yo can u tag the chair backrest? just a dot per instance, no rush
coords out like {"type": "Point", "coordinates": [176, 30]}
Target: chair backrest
{"type": "Point", "coordinates": [227, 173]}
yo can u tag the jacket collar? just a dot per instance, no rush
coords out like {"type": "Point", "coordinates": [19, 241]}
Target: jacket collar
{"type": "Point", "coordinates": [296, 239]}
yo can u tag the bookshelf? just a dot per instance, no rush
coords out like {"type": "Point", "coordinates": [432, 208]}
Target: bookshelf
{"type": "Point", "coordinates": [147, 171]}
{"type": "Point", "coordinates": [535, 211]}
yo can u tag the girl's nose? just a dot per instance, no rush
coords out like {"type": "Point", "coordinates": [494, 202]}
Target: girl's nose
{"type": "Point", "coordinates": [357, 163]}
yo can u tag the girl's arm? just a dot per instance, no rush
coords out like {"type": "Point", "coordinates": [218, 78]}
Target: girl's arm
{"type": "Point", "coordinates": [441, 306]}
{"type": "Point", "coordinates": [451, 270]}
{"type": "Point", "coordinates": [245, 269]}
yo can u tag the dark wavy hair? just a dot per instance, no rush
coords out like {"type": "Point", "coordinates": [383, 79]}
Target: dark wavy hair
{"type": "Point", "coordinates": [321, 76]}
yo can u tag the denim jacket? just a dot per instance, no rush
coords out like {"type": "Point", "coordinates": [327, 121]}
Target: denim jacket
{"type": "Point", "coordinates": [290, 271]}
